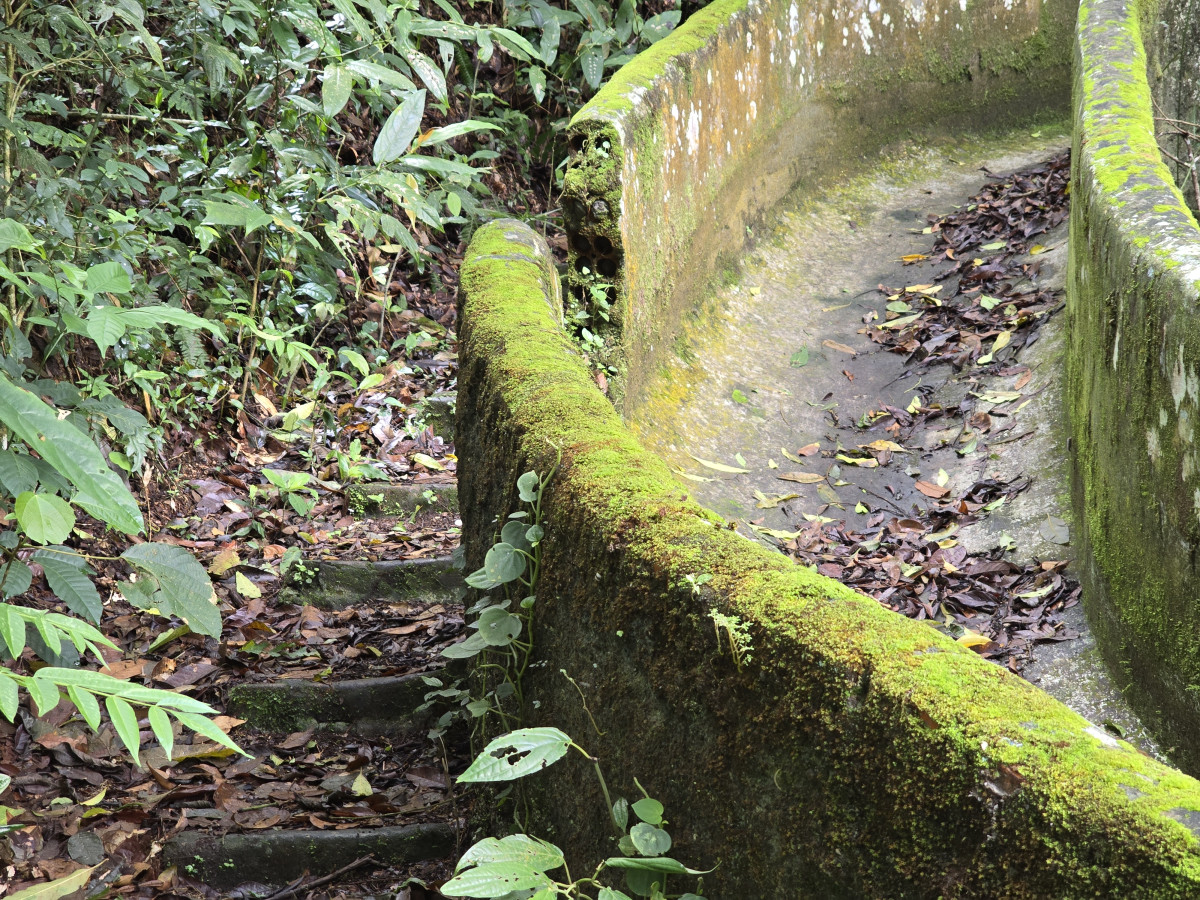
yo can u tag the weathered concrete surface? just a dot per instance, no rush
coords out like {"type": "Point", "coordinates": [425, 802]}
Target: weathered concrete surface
{"type": "Point", "coordinates": [336, 584]}
{"type": "Point", "coordinates": [1134, 391]}
{"type": "Point", "coordinates": [363, 705]}
{"type": "Point", "coordinates": [855, 753]}
{"type": "Point", "coordinates": [279, 857]}
{"type": "Point", "coordinates": [381, 500]}
{"type": "Point", "coordinates": [679, 160]}
{"type": "Point", "coordinates": [815, 279]}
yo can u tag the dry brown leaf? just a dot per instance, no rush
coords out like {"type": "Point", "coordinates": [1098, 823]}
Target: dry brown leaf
{"type": "Point", "coordinates": [931, 490]}
{"type": "Point", "coordinates": [801, 477]}
{"type": "Point", "coordinates": [841, 348]}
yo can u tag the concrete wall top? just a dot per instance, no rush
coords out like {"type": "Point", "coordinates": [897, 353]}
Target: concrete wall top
{"type": "Point", "coordinates": [680, 157]}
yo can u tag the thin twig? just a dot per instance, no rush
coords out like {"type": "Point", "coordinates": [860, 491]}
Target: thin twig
{"type": "Point", "coordinates": [299, 884]}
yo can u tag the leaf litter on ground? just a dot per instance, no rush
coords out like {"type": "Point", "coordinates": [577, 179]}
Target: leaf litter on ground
{"type": "Point", "coordinates": [975, 313]}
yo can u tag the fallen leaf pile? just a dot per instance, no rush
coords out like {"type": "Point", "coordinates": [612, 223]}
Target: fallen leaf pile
{"type": "Point", "coordinates": [981, 308]}
{"type": "Point", "coordinates": [916, 566]}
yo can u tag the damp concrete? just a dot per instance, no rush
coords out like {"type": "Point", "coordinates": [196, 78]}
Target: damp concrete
{"type": "Point", "coordinates": [776, 359]}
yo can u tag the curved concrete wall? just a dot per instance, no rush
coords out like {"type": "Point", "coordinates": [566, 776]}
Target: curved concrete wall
{"type": "Point", "coordinates": [684, 152]}
{"type": "Point", "coordinates": [855, 753]}
{"type": "Point", "coordinates": [1135, 377]}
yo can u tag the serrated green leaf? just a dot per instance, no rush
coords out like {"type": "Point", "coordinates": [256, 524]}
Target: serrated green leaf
{"type": "Point", "coordinates": [108, 278]}
{"type": "Point", "coordinates": [183, 586]}
{"type": "Point", "coordinates": [71, 585]}
{"type": "Point", "coordinates": [45, 518]}
{"type": "Point", "coordinates": [124, 720]}
{"type": "Point", "coordinates": [517, 754]}
{"type": "Point", "coordinates": [17, 578]}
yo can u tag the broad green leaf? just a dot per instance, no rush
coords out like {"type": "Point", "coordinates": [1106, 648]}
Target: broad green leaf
{"type": "Point", "coordinates": [517, 754]}
{"type": "Point", "coordinates": [527, 487]}
{"type": "Point", "coordinates": [472, 646]}
{"type": "Point", "coordinates": [429, 73]}
{"type": "Point", "coordinates": [108, 278]}
{"type": "Point", "coordinates": [56, 889]}
{"type": "Point", "coordinates": [15, 236]}
{"type": "Point", "coordinates": [45, 694]}
{"type": "Point", "coordinates": [382, 74]}
{"type": "Point", "coordinates": [71, 453]}
{"type": "Point", "coordinates": [658, 27]}
{"type": "Point", "coordinates": [515, 44]}
{"type": "Point", "coordinates": [105, 328]}
{"type": "Point", "coordinates": [612, 894]}
{"type": "Point", "coordinates": [336, 89]}
{"type": "Point", "coordinates": [495, 880]}
{"type": "Point", "coordinates": [183, 586]}
{"type": "Point", "coordinates": [513, 533]}
{"type": "Point", "coordinates": [499, 627]}
{"type": "Point", "coordinates": [235, 216]}
{"type": "Point", "coordinates": [649, 840]}
{"type": "Point", "coordinates": [446, 132]}
{"type": "Point", "coordinates": [592, 62]}
{"type": "Point", "coordinates": [45, 518]}
{"type": "Point", "coordinates": [124, 720]}
{"type": "Point", "coordinates": [649, 810]}
{"type": "Point", "coordinates": [534, 853]}
{"type": "Point", "coordinates": [501, 565]}
{"type": "Point", "coordinates": [71, 585]}
{"type": "Point", "coordinates": [399, 130]}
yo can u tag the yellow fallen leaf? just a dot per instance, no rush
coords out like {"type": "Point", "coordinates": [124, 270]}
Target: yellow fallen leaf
{"type": "Point", "coordinates": [225, 560]}
{"type": "Point", "coordinates": [771, 464]}
{"type": "Point", "coordinates": [910, 258]}
{"type": "Point", "coordinates": [863, 461]}
{"type": "Point", "coordinates": [880, 446]}
{"type": "Point", "coordinates": [690, 477]}
{"type": "Point", "coordinates": [801, 477]}
{"type": "Point", "coordinates": [928, 289]}
{"type": "Point", "coordinates": [246, 587]}
{"type": "Point", "coordinates": [770, 501]}
{"type": "Point", "coordinates": [428, 462]}
{"type": "Point", "coordinates": [973, 639]}
{"type": "Point", "coordinates": [94, 800]}
{"type": "Point", "coordinates": [1036, 249]}
{"type": "Point", "coordinates": [361, 787]}
{"type": "Point", "coordinates": [720, 467]}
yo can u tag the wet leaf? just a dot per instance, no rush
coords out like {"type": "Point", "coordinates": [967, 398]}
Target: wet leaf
{"type": "Point", "coordinates": [1055, 530]}
{"type": "Point", "coordinates": [801, 477]}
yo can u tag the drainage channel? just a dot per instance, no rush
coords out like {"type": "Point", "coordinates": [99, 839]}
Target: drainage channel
{"type": "Point", "coordinates": [801, 404]}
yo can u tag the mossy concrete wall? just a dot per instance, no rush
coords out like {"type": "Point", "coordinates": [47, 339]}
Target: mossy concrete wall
{"type": "Point", "coordinates": [1134, 380]}
{"type": "Point", "coordinates": [679, 158]}
{"type": "Point", "coordinates": [854, 753]}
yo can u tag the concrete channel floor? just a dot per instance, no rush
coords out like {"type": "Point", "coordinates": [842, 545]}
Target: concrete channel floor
{"type": "Point", "coordinates": [730, 386]}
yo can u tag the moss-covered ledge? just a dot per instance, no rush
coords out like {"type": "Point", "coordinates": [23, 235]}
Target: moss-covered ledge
{"type": "Point", "coordinates": [680, 158]}
{"type": "Point", "coordinates": [855, 754]}
{"type": "Point", "coordinates": [1134, 387]}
